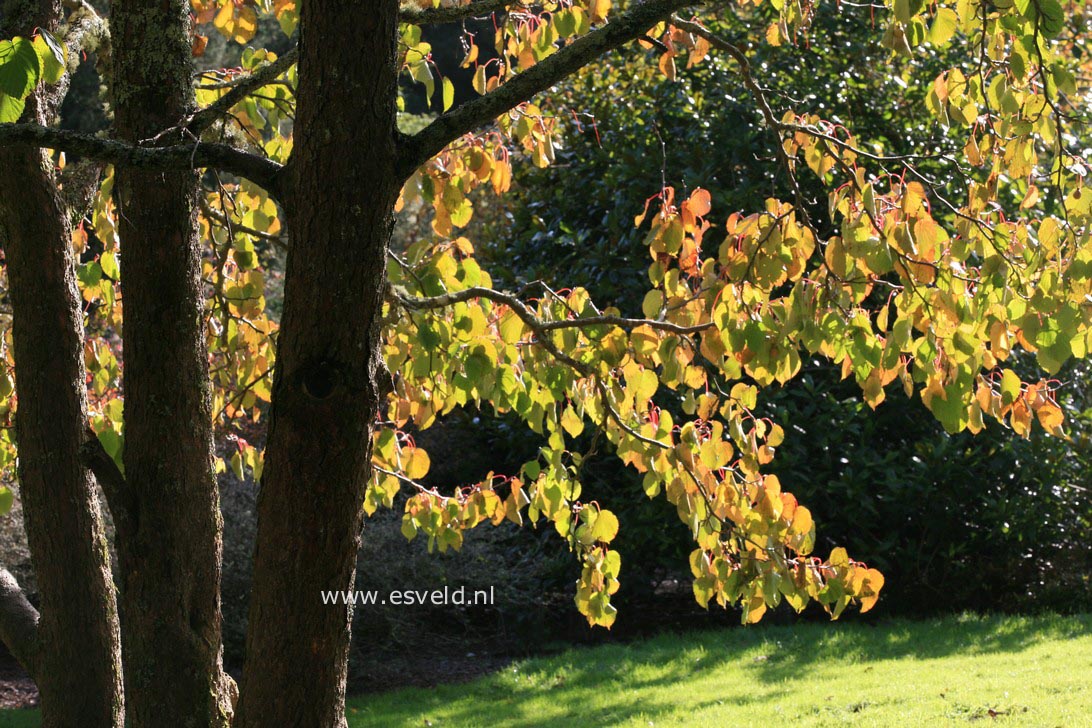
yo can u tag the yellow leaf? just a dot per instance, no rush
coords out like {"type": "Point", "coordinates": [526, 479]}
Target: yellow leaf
{"type": "Point", "coordinates": [606, 527]}
{"type": "Point", "coordinates": [838, 557]}
{"type": "Point", "coordinates": [1051, 418]}
{"type": "Point", "coordinates": [873, 389]}
{"type": "Point", "coordinates": [416, 464]}
{"type": "Point", "coordinates": [801, 521]}
{"type": "Point", "coordinates": [1020, 418]}
{"type": "Point", "coordinates": [873, 583]}
{"type": "Point", "coordinates": [479, 80]}
{"type": "Point", "coordinates": [599, 10]}
{"type": "Point", "coordinates": [999, 340]}
{"type": "Point", "coordinates": [773, 34]}
{"type": "Point", "coordinates": [240, 24]}
{"type": "Point", "coordinates": [913, 200]}
{"type": "Point", "coordinates": [572, 422]}
{"type": "Point", "coordinates": [753, 610]}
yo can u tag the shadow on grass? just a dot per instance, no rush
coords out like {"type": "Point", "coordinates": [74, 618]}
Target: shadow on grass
{"type": "Point", "coordinates": [20, 718]}
{"type": "Point", "coordinates": [608, 685]}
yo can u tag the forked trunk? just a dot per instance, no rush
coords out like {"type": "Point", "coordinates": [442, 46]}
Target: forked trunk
{"type": "Point", "coordinates": [169, 544]}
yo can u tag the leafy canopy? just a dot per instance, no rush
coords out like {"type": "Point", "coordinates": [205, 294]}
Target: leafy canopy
{"type": "Point", "coordinates": [908, 284]}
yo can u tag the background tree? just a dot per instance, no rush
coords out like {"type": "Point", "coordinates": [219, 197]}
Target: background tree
{"type": "Point", "coordinates": [906, 283]}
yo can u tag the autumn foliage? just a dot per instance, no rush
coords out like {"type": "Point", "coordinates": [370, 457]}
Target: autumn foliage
{"type": "Point", "coordinates": [909, 286]}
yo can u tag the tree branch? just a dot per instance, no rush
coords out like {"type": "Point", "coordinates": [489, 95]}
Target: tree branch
{"type": "Point", "coordinates": [536, 324]}
{"type": "Point", "coordinates": [260, 170]}
{"type": "Point", "coordinates": [242, 88]}
{"type": "Point", "coordinates": [110, 478]}
{"type": "Point", "coordinates": [18, 623]}
{"type": "Point", "coordinates": [431, 140]}
{"type": "Point", "coordinates": [436, 16]}
{"type": "Point", "coordinates": [86, 30]}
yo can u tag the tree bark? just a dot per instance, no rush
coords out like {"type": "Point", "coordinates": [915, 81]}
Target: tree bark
{"type": "Point", "coordinates": [169, 544]}
{"type": "Point", "coordinates": [18, 623]}
{"type": "Point", "coordinates": [78, 623]}
{"type": "Point", "coordinates": [340, 189]}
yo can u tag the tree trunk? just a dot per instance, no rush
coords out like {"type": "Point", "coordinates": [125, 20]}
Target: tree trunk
{"type": "Point", "coordinates": [169, 545]}
{"type": "Point", "coordinates": [340, 190]}
{"type": "Point", "coordinates": [78, 623]}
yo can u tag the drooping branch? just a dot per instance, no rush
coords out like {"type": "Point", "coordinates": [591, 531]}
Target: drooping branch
{"type": "Point", "coordinates": [260, 170]}
{"type": "Point", "coordinates": [436, 16]}
{"type": "Point", "coordinates": [431, 140]}
{"type": "Point", "coordinates": [541, 327]}
{"type": "Point", "coordinates": [241, 88]}
{"type": "Point", "coordinates": [18, 623]}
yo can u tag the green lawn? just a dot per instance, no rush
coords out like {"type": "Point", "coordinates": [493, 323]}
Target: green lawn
{"type": "Point", "coordinates": [1029, 671]}
{"type": "Point", "coordinates": [955, 671]}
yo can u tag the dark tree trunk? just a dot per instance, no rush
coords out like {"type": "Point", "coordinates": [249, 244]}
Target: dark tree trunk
{"type": "Point", "coordinates": [169, 544]}
{"type": "Point", "coordinates": [340, 190]}
{"type": "Point", "coordinates": [78, 625]}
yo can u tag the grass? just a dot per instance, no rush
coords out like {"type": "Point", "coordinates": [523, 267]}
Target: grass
{"type": "Point", "coordinates": [956, 671]}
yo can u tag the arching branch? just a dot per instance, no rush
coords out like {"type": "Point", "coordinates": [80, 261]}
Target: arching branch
{"type": "Point", "coordinates": [431, 140]}
{"type": "Point", "coordinates": [260, 170]}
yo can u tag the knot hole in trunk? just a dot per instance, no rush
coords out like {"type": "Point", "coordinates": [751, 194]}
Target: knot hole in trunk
{"type": "Point", "coordinates": [320, 379]}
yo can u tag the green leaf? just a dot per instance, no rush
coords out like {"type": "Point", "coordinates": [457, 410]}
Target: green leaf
{"type": "Point", "coordinates": [902, 10]}
{"type": "Point", "coordinates": [113, 445]}
{"type": "Point", "coordinates": [428, 337]}
{"type": "Point", "coordinates": [565, 23]}
{"type": "Point", "coordinates": [449, 93]}
{"type": "Point", "coordinates": [53, 56]}
{"type": "Point", "coordinates": [1010, 387]}
{"type": "Point", "coordinates": [1053, 17]}
{"type": "Point", "coordinates": [237, 465]}
{"type": "Point", "coordinates": [7, 499]}
{"type": "Point", "coordinates": [944, 27]}
{"type": "Point", "coordinates": [109, 266]}
{"type": "Point", "coordinates": [19, 71]}
{"type": "Point", "coordinates": [409, 528]}
{"type": "Point", "coordinates": [532, 469]}
{"type": "Point", "coordinates": [10, 109]}
{"type": "Point", "coordinates": [654, 301]}
{"type": "Point", "coordinates": [19, 67]}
